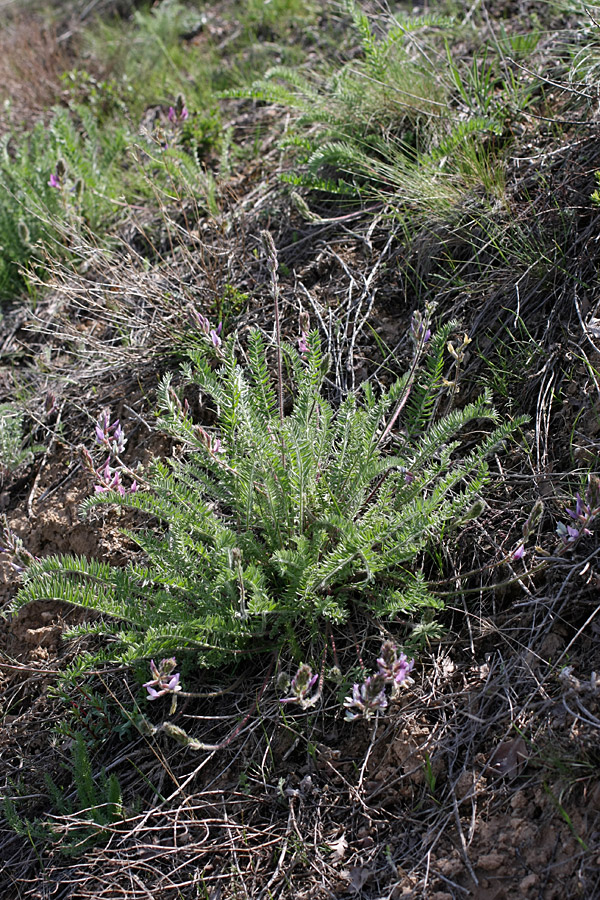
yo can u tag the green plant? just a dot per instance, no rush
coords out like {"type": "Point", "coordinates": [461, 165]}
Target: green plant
{"type": "Point", "coordinates": [99, 806]}
{"type": "Point", "coordinates": [411, 118]}
{"type": "Point", "coordinates": [105, 98]}
{"type": "Point", "coordinates": [12, 450]}
{"type": "Point", "coordinates": [429, 774]}
{"type": "Point", "coordinates": [75, 177]}
{"type": "Point", "coordinates": [155, 51]}
{"type": "Point", "coordinates": [273, 18]}
{"type": "Point", "coordinates": [90, 713]}
{"type": "Point", "coordinates": [56, 180]}
{"type": "Point", "coordinates": [175, 175]}
{"type": "Point", "coordinates": [147, 51]}
{"type": "Point", "coordinates": [279, 522]}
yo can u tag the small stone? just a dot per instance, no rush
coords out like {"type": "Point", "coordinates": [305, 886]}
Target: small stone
{"type": "Point", "coordinates": [43, 637]}
{"type": "Point", "coordinates": [528, 882]}
{"type": "Point", "coordinates": [490, 862]}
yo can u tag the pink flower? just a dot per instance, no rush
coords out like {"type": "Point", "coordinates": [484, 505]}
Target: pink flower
{"type": "Point", "coordinates": [54, 181]}
{"type": "Point", "coordinates": [367, 698]}
{"type": "Point", "coordinates": [394, 667]}
{"type": "Point", "coordinates": [300, 687]}
{"type": "Point", "coordinates": [177, 115]}
{"type": "Point", "coordinates": [164, 680]}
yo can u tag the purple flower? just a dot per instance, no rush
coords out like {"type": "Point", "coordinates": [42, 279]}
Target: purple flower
{"type": "Point", "coordinates": [201, 321]}
{"type": "Point", "coordinates": [581, 509]}
{"type": "Point", "coordinates": [109, 480]}
{"type": "Point", "coordinates": [204, 325]}
{"type": "Point", "coordinates": [304, 329]}
{"type": "Point", "coordinates": [419, 331]}
{"type": "Point", "coordinates": [393, 667]}
{"type": "Point", "coordinates": [111, 436]}
{"type": "Point", "coordinates": [519, 552]}
{"type": "Point", "coordinates": [569, 534]}
{"type": "Point", "coordinates": [54, 180]}
{"type": "Point", "coordinates": [586, 510]}
{"type": "Point", "coordinates": [367, 698]}
{"type": "Point", "coordinates": [212, 444]}
{"type": "Point", "coordinates": [179, 114]}
{"type": "Point", "coordinates": [119, 436]}
{"type": "Point", "coordinates": [301, 684]}
{"type": "Point", "coordinates": [164, 680]}
{"type": "Point", "coordinates": [102, 426]}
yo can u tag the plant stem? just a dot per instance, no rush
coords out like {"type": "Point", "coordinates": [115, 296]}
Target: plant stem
{"type": "Point", "coordinates": [271, 252]}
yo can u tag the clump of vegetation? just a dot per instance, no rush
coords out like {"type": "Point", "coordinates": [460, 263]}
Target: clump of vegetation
{"type": "Point", "coordinates": [93, 807]}
{"type": "Point", "coordinates": [57, 180]}
{"type": "Point", "coordinates": [405, 120]}
{"type": "Point", "coordinates": [13, 451]}
{"type": "Point", "coordinates": [278, 522]}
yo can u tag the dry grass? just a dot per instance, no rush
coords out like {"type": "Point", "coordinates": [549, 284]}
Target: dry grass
{"type": "Point", "coordinates": [488, 739]}
{"type": "Point", "coordinates": [33, 57]}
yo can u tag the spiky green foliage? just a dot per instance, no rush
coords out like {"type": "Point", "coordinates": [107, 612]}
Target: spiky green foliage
{"type": "Point", "coordinates": [102, 165]}
{"type": "Point", "coordinates": [279, 525]}
{"type": "Point", "coordinates": [33, 213]}
{"type": "Point", "coordinates": [98, 805]}
{"type": "Point", "coordinates": [13, 451]}
{"type": "Point", "coordinates": [412, 116]}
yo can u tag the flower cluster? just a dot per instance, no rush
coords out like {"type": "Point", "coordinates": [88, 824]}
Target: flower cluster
{"type": "Point", "coordinates": [56, 177]}
{"type": "Point", "coordinates": [213, 334]}
{"type": "Point", "coordinates": [14, 546]}
{"type": "Point", "coordinates": [300, 688]}
{"type": "Point", "coordinates": [110, 436]}
{"type": "Point", "coordinates": [419, 331]}
{"type": "Point", "coordinates": [212, 444]}
{"type": "Point", "coordinates": [164, 680]}
{"type": "Point", "coordinates": [393, 666]}
{"type": "Point", "coordinates": [179, 112]}
{"type": "Point", "coordinates": [586, 510]}
{"type": "Point", "coordinates": [532, 520]}
{"type": "Point", "coordinates": [108, 477]}
{"type": "Point", "coordinates": [304, 329]}
{"type": "Point", "coordinates": [369, 698]}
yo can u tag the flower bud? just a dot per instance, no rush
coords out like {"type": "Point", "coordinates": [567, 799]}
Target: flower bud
{"type": "Point", "coordinates": [23, 232]}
